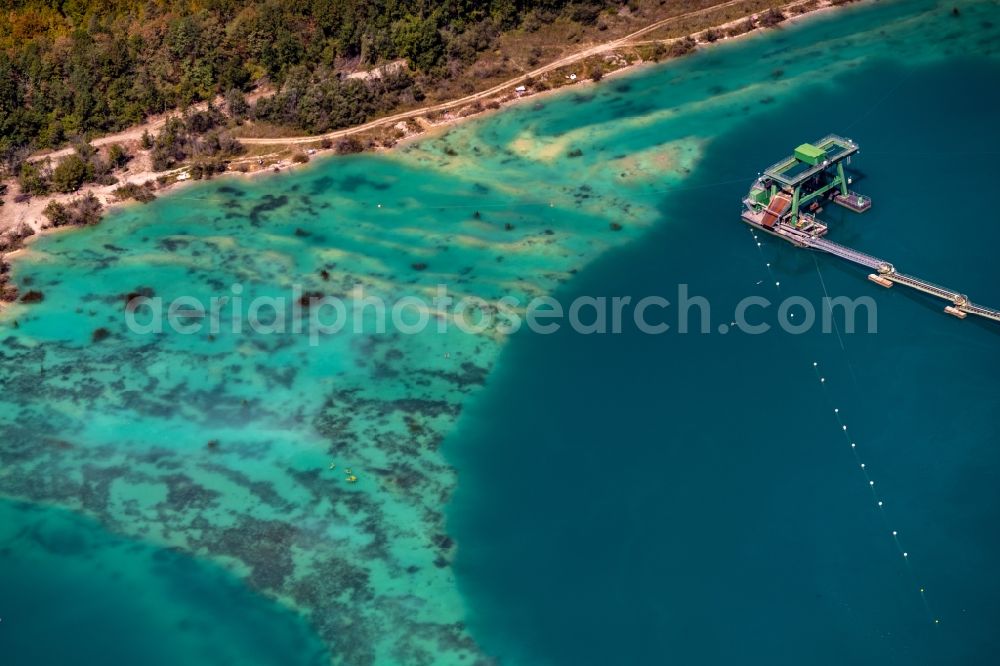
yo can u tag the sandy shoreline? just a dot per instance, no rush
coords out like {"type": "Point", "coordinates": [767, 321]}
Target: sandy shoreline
{"type": "Point", "coordinates": [14, 215]}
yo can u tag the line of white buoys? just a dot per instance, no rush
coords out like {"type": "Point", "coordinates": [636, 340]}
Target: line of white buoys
{"type": "Point", "coordinates": [879, 501]}
{"type": "Point", "coordinates": [760, 251]}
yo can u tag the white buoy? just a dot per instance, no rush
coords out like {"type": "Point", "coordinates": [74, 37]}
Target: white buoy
{"type": "Point", "coordinates": [777, 284]}
{"type": "Point", "coordinates": [843, 427]}
{"type": "Point", "coordinates": [822, 379]}
{"type": "Point", "coordinates": [894, 533]}
{"type": "Point", "coordinates": [836, 410]}
{"type": "Point", "coordinates": [880, 502]}
{"type": "Point", "coordinates": [871, 483]}
{"type": "Point", "coordinates": [853, 445]}
{"type": "Point", "coordinates": [906, 554]}
{"type": "Point", "coordinates": [862, 465]}
{"type": "Point", "coordinates": [815, 364]}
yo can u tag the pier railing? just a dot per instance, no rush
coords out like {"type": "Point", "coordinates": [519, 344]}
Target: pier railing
{"type": "Point", "coordinates": [847, 253]}
{"type": "Point", "coordinates": [958, 301]}
{"type": "Point", "coordinates": [929, 287]}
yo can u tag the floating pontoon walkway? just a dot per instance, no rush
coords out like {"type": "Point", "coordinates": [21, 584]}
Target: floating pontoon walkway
{"type": "Point", "coordinates": [960, 305]}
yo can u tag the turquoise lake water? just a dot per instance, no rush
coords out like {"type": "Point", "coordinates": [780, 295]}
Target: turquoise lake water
{"type": "Point", "coordinates": [560, 499]}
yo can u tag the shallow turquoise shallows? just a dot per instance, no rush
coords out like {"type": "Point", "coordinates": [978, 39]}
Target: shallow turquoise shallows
{"type": "Point", "coordinates": [559, 499]}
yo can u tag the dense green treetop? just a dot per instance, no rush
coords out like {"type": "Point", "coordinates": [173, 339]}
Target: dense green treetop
{"type": "Point", "coordinates": [73, 67]}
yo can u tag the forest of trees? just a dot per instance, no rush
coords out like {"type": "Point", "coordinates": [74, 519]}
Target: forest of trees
{"type": "Point", "coordinates": [74, 67]}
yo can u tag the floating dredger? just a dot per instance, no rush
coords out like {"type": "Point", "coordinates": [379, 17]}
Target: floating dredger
{"type": "Point", "coordinates": [785, 200]}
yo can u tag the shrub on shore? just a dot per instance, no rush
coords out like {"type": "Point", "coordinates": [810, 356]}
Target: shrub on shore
{"type": "Point", "coordinates": [70, 174]}
{"type": "Point", "coordinates": [658, 52]}
{"type": "Point", "coordinates": [681, 47]}
{"type": "Point", "coordinates": [142, 193]}
{"type": "Point", "coordinates": [118, 157]}
{"type": "Point", "coordinates": [207, 168]}
{"type": "Point", "coordinates": [33, 178]}
{"type": "Point", "coordinates": [13, 238]}
{"type": "Point", "coordinates": [81, 211]}
{"type": "Point", "coordinates": [771, 18]}
{"type": "Point", "coordinates": [349, 145]}
{"type": "Point", "coordinates": [740, 28]}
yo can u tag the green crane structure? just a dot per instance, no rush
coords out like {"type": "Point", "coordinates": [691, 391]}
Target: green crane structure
{"type": "Point", "coordinates": [812, 171]}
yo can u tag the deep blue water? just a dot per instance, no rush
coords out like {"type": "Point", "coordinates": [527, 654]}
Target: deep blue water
{"type": "Point", "coordinates": [690, 499]}
{"type": "Point", "coordinates": [73, 593]}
